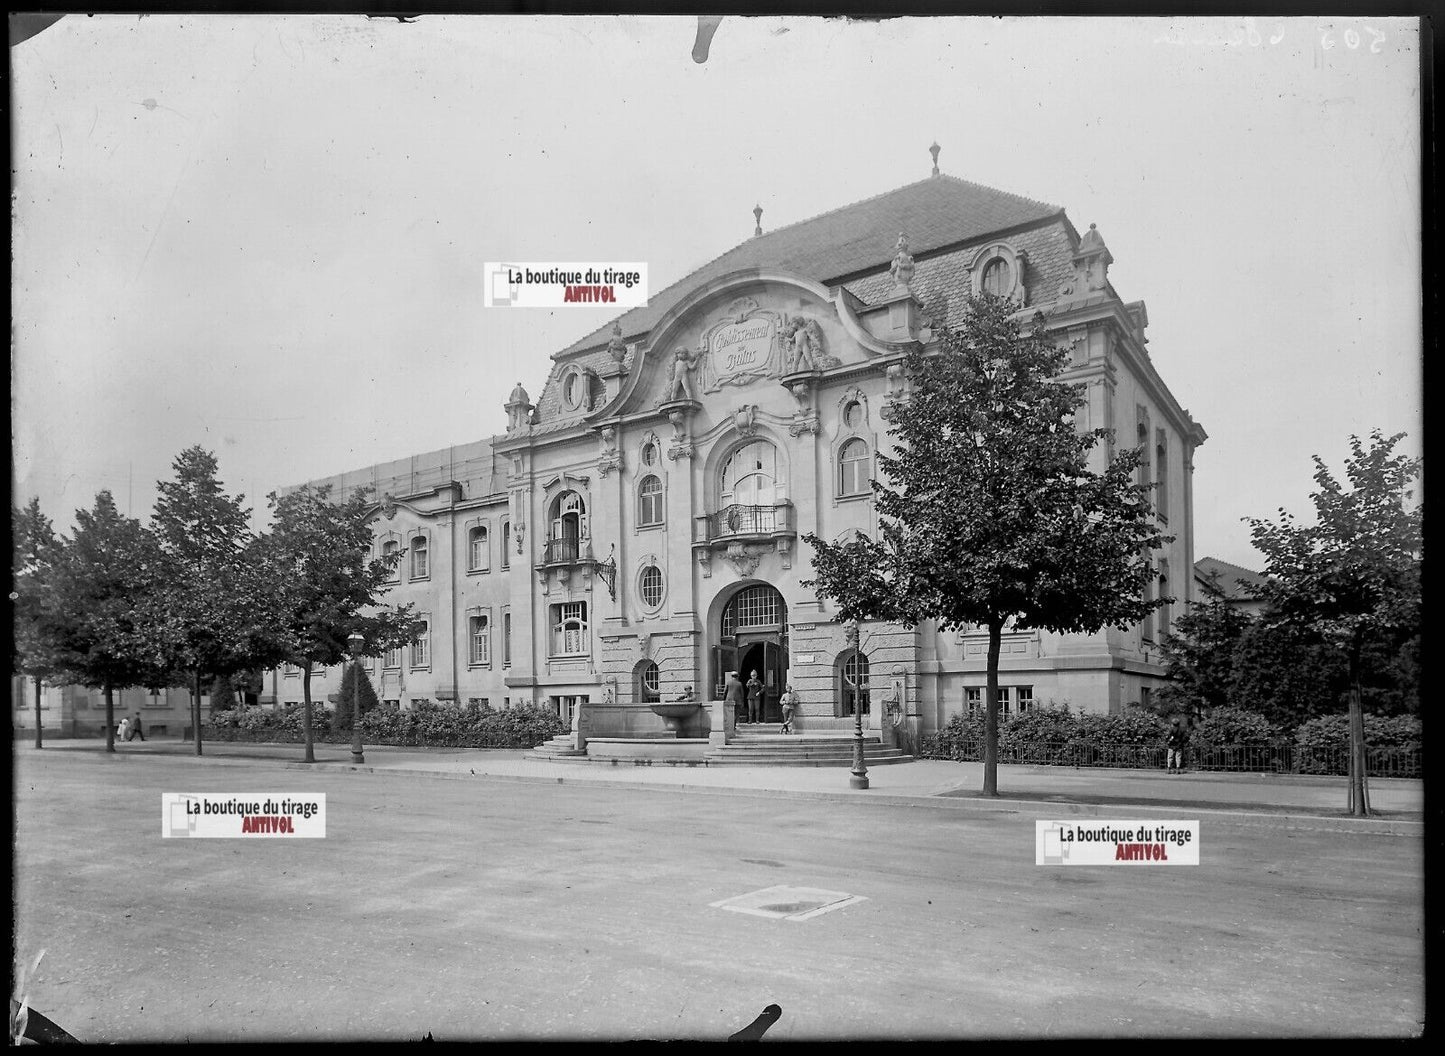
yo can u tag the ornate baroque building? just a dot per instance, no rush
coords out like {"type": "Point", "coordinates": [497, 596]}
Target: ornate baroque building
{"type": "Point", "coordinates": [638, 529]}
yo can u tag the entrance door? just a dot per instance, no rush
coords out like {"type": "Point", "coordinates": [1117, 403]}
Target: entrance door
{"type": "Point", "coordinates": [766, 656]}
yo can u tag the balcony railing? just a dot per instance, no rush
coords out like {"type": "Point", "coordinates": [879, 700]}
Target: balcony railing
{"type": "Point", "coordinates": [561, 552]}
{"type": "Point", "coordinates": [735, 520]}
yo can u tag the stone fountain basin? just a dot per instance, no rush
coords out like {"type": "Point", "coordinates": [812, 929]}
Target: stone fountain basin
{"type": "Point", "coordinates": [675, 713]}
{"type": "Point", "coordinates": [676, 709]}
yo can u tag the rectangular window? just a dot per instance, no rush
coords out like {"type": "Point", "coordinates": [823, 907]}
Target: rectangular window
{"type": "Point", "coordinates": [506, 638]}
{"type": "Point", "coordinates": [420, 558]}
{"type": "Point", "coordinates": [506, 544]}
{"type": "Point", "coordinates": [1008, 696]}
{"type": "Point", "coordinates": [392, 659]}
{"type": "Point", "coordinates": [1025, 698]}
{"type": "Point", "coordinates": [569, 629]}
{"type": "Point", "coordinates": [481, 639]}
{"type": "Point", "coordinates": [973, 700]}
{"type": "Point", "coordinates": [479, 552]}
{"type": "Point", "coordinates": [420, 653]}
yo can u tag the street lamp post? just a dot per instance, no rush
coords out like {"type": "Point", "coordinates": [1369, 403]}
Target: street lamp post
{"type": "Point", "coordinates": [356, 641]}
{"type": "Point", "coordinates": [860, 771]}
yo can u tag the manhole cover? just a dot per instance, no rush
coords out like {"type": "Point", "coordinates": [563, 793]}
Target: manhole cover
{"type": "Point", "coordinates": [788, 903]}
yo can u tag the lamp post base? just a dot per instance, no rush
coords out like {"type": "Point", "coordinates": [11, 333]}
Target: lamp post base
{"type": "Point", "coordinates": [358, 757]}
{"type": "Point", "coordinates": [858, 781]}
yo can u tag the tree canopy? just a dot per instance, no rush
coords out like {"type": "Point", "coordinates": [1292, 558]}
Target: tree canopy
{"type": "Point", "coordinates": [989, 510]}
{"type": "Point", "coordinates": [1353, 576]}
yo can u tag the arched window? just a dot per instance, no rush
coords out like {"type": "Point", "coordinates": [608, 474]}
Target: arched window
{"type": "Point", "coordinates": [750, 475]}
{"type": "Point", "coordinates": [649, 502]}
{"type": "Point", "coordinates": [420, 559]}
{"type": "Point", "coordinates": [477, 549]}
{"type": "Point", "coordinates": [853, 468]}
{"type": "Point", "coordinates": [568, 512]}
{"type": "Point", "coordinates": [651, 586]}
{"type": "Point", "coordinates": [852, 683]}
{"type": "Point", "coordinates": [1161, 494]}
{"type": "Point", "coordinates": [390, 550]}
{"type": "Point", "coordinates": [998, 278]}
{"type": "Point", "coordinates": [1163, 593]}
{"type": "Point", "coordinates": [649, 454]}
{"type": "Point", "coordinates": [1143, 453]}
{"type": "Point", "coordinates": [754, 608]}
{"type": "Point", "coordinates": [649, 686]}
{"type": "Point", "coordinates": [421, 645]}
{"type": "Point", "coordinates": [853, 414]}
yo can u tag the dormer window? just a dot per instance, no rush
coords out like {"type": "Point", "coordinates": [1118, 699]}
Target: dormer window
{"type": "Point", "coordinates": [998, 277]}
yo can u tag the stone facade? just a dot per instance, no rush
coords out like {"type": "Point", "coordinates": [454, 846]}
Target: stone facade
{"type": "Point", "coordinates": [640, 527]}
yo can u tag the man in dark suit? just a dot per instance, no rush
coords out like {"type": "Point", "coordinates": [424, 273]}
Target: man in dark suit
{"type": "Point", "coordinates": [734, 696]}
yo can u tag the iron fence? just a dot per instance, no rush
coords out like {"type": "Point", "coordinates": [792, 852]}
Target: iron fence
{"type": "Point", "coordinates": [1279, 759]}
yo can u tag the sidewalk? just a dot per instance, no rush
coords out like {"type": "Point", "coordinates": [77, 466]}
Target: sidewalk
{"type": "Point", "coordinates": [1054, 790]}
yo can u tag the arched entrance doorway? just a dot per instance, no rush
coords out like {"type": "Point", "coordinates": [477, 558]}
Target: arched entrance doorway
{"type": "Point", "coordinates": [753, 636]}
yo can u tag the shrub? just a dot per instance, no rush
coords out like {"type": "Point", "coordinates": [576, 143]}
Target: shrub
{"type": "Point", "coordinates": [1332, 732]}
{"type": "Point", "coordinates": [341, 713]}
{"type": "Point", "coordinates": [1132, 726]}
{"type": "Point", "coordinates": [1228, 726]}
{"type": "Point", "coordinates": [223, 695]}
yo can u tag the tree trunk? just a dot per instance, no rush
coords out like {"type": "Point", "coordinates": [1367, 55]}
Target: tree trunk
{"type": "Point", "coordinates": [38, 742]}
{"type": "Point", "coordinates": [196, 712]}
{"type": "Point", "coordinates": [109, 719]}
{"type": "Point", "coordinates": [990, 712]}
{"type": "Point", "coordinates": [1359, 760]}
{"type": "Point", "coordinates": [306, 712]}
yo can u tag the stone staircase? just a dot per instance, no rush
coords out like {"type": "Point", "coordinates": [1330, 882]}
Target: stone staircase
{"type": "Point", "coordinates": [755, 749]}
{"type": "Point", "coordinates": [802, 749]}
{"type": "Point", "coordinates": [559, 747]}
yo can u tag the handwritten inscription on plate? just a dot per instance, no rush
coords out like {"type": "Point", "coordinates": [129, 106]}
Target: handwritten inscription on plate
{"type": "Point", "coordinates": [742, 348]}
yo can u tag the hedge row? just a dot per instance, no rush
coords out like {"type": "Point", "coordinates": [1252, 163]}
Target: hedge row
{"type": "Point", "coordinates": [425, 723]}
{"type": "Point", "coordinates": [1068, 732]}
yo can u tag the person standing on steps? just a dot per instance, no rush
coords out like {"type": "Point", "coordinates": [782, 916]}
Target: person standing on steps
{"type": "Point", "coordinates": [734, 695]}
{"type": "Point", "coordinates": [789, 701]}
{"type": "Point", "coordinates": [755, 697]}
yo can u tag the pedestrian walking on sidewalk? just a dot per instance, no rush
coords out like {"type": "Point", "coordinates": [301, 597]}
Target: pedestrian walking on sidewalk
{"type": "Point", "coordinates": [136, 729]}
{"type": "Point", "coordinates": [1178, 742]}
{"type": "Point", "coordinates": [122, 729]}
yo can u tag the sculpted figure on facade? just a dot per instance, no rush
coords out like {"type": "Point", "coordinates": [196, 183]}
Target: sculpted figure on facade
{"type": "Point", "coordinates": [902, 267]}
{"type": "Point", "coordinates": [680, 388]}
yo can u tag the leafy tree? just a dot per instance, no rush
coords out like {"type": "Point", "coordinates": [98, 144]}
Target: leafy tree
{"type": "Point", "coordinates": [1285, 671]}
{"type": "Point", "coordinates": [1355, 573]}
{"type": "Point", "coordinates": [1199, 653]}
{"type": "Point", "coordinates": [991, 512]}
{"type": "Point", "coordinates": [107, 578]}
{"type": "Point", "coordinates": [341, 719]}
{"type": "Point", "coordinates": [325, 587]}
{"type": "Point", "coordinates": [33, 568]}
{"type": "Point", "coordinates": [223, 694]}
{"type": "Point", "coordinates": [219, 609]}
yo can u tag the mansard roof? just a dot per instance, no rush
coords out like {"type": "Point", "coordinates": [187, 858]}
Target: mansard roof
{"type": "Point", "coordinates": [854, 240]}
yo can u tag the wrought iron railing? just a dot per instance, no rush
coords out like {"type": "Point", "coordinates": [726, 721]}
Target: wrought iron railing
{"type": "Point", "coordinates": [748, 520]}
{"type": "Point", "coordinates": [561, 551]}
{"type": "Point", "coordinates": [1279, 759]}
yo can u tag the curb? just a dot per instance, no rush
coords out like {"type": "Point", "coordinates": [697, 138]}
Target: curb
{"type": "Point", "coordinates": [1265, 819]}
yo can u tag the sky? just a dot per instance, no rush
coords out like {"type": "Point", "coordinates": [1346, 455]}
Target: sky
{"type": "Point", "coordinates": [266, 234]}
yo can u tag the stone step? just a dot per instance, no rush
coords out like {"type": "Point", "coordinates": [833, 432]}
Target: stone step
{"type": "Point", "coordinates": [803, 760]}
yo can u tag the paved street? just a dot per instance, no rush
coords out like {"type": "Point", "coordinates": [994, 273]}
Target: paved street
{"type": "Point", "coordinates": [495, 908]}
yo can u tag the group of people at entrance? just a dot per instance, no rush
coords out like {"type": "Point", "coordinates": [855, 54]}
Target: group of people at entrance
{"type": "Point", "coordinates": [752, 696]}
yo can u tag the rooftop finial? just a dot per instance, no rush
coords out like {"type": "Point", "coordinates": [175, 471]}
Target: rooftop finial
{"type": "Point", "coordinates": [616, 347]}
{"type": "Point", "coordinates": [758, 219]}
{"type": "Point", "coordinates": [934, 151]}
